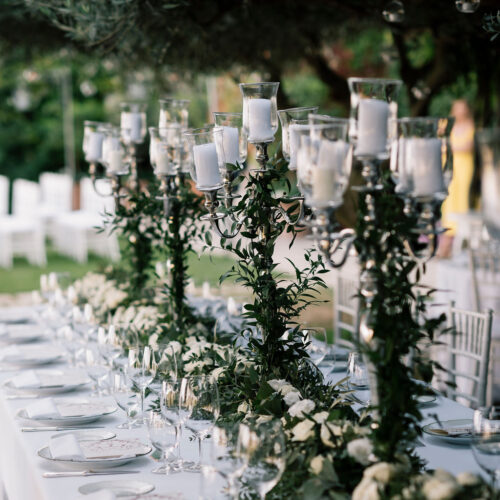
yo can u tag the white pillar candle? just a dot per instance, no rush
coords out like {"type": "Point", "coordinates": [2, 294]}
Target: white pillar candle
{"type": "Point", "coordinates": [259, 120]}
{"type": "Point", "coordinates": [404, 174]}
{"type": "Point", "coordinates": [231, 144]}
{"type": "Point", "coordinates": [94, 146]}
{"type": "Point", "coordinates": [207, 165]}
{"type": "Point", "coordinates": [424, 156]}
{"type": "Point", "coordinates": [373, 117]}
{"type": "Point", "coordinates": [323, 185]}
{"type": "Point", "coordinates": [294, 142]}
{"type": "Point", "coordinates": [111, 334]}
{"type": "Point", "coordinates": [115, 161]}
{"type": "Point", "coordinates": [162, 163]}
{"type": "Point", "coordinates": [131, 123]}
{"type": "Point", "coordinates": [332, 154]}
{"type": "Point", "coordinates": [88, 313]}
{"type": "Point", "coordinates": [71, 294]}
{"type": "Point", "coordinates": [53, 282]}
{"type": "Point", "coordinates": [172, 133]}
{"type": "Point", "coordinates": [205, 290]}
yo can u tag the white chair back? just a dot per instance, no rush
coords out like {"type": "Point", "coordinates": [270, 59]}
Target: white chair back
{"type": "Point", "coordinates": [469, 354]}
{"type": "Point", "coordinates": [57, 191]}
{"type": "Point", "coordinates": [25, 198]}
{"type": "Point", "coordinates": [4, 195]}
{"type": "Point", "coordinates": [346, 303]}
{"type": "Point", "coordinates": [93, 203]}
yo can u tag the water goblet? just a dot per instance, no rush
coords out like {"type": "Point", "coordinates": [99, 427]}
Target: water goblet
{"type": "Point", "coordinates": [199, 407]}
{"type": "Point", "coordinates": [95, 370]}
{"type": "Point", "coordinates": [126, 399]}
{"type": "Point", "coordinates": [357, 371]}
{"type": "Point", "coordinates": [262, 447]}
{"type": "Point", "coordinates": [163, 437]}
{"type": "Point", "coordinates": [486, 441]}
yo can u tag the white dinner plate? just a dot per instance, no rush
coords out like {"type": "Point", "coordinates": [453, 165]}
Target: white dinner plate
{"type": "Point", "coordinates": [20, 334]}
{"type": "Point", "coordinates": [440, 431]}
{"type": "Point", "coordinates": [426, 400]}
{"type": "Point", "coordinates": [31, 356]}
{"type": "Point", "coordinates": [74, 412]}
{"type": "Point", "coordinates": [52, 382]}
{"type": "Point", "coordinates": [112, 453]}
{"type": "Point", "coordinates": [87, 435]}
{"type": "Point", "coordinates": [119, 488]}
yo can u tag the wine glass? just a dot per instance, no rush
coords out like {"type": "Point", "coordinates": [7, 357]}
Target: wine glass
{"type": "Point", "coordinates": [486, 441]}
{"type": "Point", "coordinates": [109, 346]}
{"type": "Point", "coordinates": [141, 368]}
{"type": "Point", "coordinates": [163, 437]}
{"type": "Point", "coordinates": [126, 399]}
{"type": "Point", "coordinates": [199, 407]}
{"type": "Point", "coordinates": [224, 457]}
{"type": "Point", "coordinates": [357, 371]}
{"type": "Point", "coordinates": [95, 369]}
{"type": "Point", "coordinates": [262, 448]}
{"type": "Point", "coordinates": [318, 348]}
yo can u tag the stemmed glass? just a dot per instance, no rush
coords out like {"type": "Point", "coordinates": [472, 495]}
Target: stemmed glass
{"type": "Point", "coordinates": [141, 368]}
{"type": "Point", "coordinates": [224, 456]}
{"type": "Point", "coordinates": [126, 399]}
{"type": "Point", "coordinates": [163, 436]}
{"type": "Point", "coordinates": [486, 441]}
{"type": "Point", "coordinates": [109, 346]}
{"type": "Point", "coordinates": [199, 407]}
{"type": "Point", "coordinates": [262, 447]}
{"type": "Point", "coordinates": [357, 371]}
{"type": "Point", "coordinates": [322, 353]}
{"type": "Point", "coordinates": [95, 369]}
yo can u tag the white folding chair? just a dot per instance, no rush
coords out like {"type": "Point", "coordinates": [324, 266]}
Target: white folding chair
{"type": "Point", "coordinates": [57, 196]}
{"type": "Point", "coordinates": [22, 233]}
{"type": "Point", "coordinates": [469, 355]}
{"type": "Point", "coordinates": [346, 304]}
{"type": "Point", "coordinates": [76, 232]}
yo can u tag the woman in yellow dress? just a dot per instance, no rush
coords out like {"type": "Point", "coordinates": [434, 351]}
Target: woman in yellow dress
{"type": "Point", "coordinates": [462, 145]}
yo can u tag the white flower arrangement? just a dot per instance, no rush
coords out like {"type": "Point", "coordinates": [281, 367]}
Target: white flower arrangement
{"type": "Point", "coordinates": [361, 450]}
{"type": "Point", "coordinates": [303, 430]}
{"type": "Point", "coordinates": [300, 408]}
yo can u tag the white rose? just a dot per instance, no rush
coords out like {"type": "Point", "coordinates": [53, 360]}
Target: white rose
{"type": "Point", "coordinates": [291, 398]}
{"type": "Point", "coordinates": [303, 430]}
{"type": "Point", "coordinates": [366, 490]}
{"type": "Point", "coordinates": [153, 340]}
{"type": "Point", "coordinates": [191, 366]}
{"type": "Point", "coordinates": [434, 489]}
{"type": "Point", "coordinates": [316, 465]}
{"type": "Point", "coordinates": [300, 408]}
{"type": "Point", "coordinates": [467, 479]}
{"type": "Point", "coordinates": [264, 418]}
{"type": "Point", "coordinates": [327, 429]}
{"type": "Point", "coordinates": [287, 389]}
{"type": "Point", "coordinates": [217, 373]}
{"type": "Point", "coordinates": [361, 450]}
{"type": "Point", "coordinates": [382, 472]}
{"type": "Point", "coordinates": [243, 407]}
{"type": "Point", "coordinates": [174, 347]}
{"type": "Point", "coordinates": [320, 417]}
{"type": "Point", "coordinates": [277, 384]}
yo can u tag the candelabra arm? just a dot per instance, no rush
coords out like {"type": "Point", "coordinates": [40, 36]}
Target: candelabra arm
{"type": "Point", "coordinates": [212, 203]}
{"type": "Point", "coordinates": [328, 248]}
{"type": "Point", "coordinates": [281, 211]}
{"type": "Point", "coordinates": [134, 175]}
{"type": "Point", "coordinates": [94, 178]}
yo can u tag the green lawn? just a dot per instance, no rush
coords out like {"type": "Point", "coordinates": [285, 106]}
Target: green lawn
{"type": "Point", "coordinates": [24, 277]}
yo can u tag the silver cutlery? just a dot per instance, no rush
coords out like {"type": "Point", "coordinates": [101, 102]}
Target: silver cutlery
{"type": "Point", "coordinates": [88, 473]}
{"type": "Point", "coordinates": [43, 429]}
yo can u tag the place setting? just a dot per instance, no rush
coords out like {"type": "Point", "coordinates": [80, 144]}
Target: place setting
{"type": "Point", "coordinates": [38, 383]}
{"type": "Point", "coordinates": [69, 412]}
{"type": "Point", "coordinates": [29, 356]}
{"type": "Point", "coordinates": [20, 333]}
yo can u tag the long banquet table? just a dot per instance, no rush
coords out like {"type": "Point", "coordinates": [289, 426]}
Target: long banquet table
{"type": "Point", "coordinates": [21, 469]}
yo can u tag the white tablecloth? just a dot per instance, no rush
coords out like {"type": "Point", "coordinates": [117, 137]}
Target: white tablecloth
{"type": "Point", "coordinates": [21, 469]}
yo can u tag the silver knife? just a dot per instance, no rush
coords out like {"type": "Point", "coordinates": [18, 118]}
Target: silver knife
{"type": "Point", "coordinates": [42, 429]}
{"type": "Point", "coordinates": [22, 396]}
{"type": "Point", "coordinates": [88, 473]}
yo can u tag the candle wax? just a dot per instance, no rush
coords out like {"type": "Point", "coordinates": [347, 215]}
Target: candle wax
{"type": "Point", "coordinates": [259, 120]}
{"type": "Point", "coordinates": [94, 146]}
{"type": "Point", "coordinates": [115, 163]}
{"type": "Point", "coordinates": [231, 144]}
{"type": "Point", "coordinates": [206, 165]}
{"type": "Point", "coordinates": [294, 142]}
{"type": "Point", "coordinates": [162, 163]}
{"type": "Point", "coordinates": [424, 160]}
{"type": "Point", "coordinates": [373, 117]}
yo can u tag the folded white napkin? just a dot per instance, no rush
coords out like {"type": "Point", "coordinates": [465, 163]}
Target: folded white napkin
{"type": "Point", "coordinates": [66, 448]}
{"type": "Point", "coordinates": [26, 380]}
{"type": "Point", "coordinates": [10, 353]}
{"type": "Point", "coordinates": [101, 495]}
{"type": "Point", "coordinates": [45, 408]}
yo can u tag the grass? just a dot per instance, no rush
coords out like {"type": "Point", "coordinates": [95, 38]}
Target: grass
{"type": "Point", "coordinates": [24, 277]}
